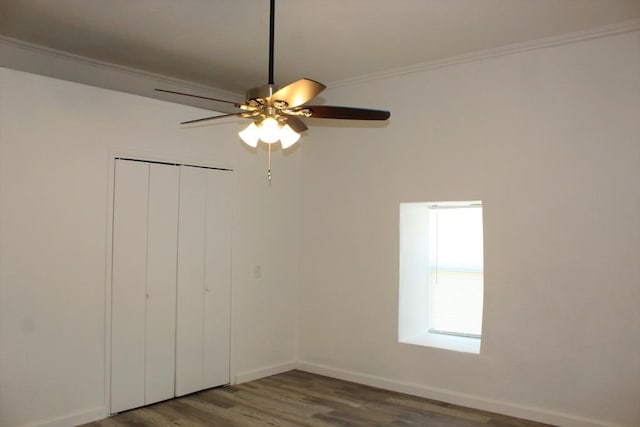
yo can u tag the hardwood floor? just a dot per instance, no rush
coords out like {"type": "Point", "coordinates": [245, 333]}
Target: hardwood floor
{"type": "Point", "coordinates": [297, 398]}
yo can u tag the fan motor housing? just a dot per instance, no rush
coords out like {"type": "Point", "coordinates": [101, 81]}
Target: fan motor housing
{"type": "Point", "coordinates": [261, 92]}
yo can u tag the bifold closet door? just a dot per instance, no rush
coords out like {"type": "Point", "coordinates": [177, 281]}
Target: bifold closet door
{"type": "Point", "coordinates": [162, 253]}
{"type": "Point", "coordinates": [143, 284]}
{"type": "Point", "coordinates": [129, 285]}
{"type": "Point", "coordinates": [204, 279]}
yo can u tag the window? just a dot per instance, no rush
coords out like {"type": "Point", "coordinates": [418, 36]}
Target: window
{"type": "Point", "coordinates": [441, 275]}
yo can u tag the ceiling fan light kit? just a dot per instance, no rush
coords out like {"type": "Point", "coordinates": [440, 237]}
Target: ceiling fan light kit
{"type": "Point", "coordinates": [275, 112]}
{"type": "Point", "coordinates": [250, 135]}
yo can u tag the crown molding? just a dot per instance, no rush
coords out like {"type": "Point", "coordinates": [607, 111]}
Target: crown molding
{"type": "Point", "coordinates": [23, 56]}
{"type": "Point", "coordinates": [19, 55]}
{"type": "Point", "coordinates": [564, 39]}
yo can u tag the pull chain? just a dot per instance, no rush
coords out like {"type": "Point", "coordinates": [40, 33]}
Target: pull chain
{"type": "Point", "coordinates": [269, 166]}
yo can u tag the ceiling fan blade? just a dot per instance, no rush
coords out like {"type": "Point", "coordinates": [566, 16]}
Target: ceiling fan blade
{"type": "Point", "coordinates": [204, 119]}
{"type": "Point", "coordinates": [298, 92]}
{"type": "Point", "coordinates": [347, 113]}
{"type": "Point", "coordinates": [296, 124]}
{"type": "Point", "coordinates": [235, 104]}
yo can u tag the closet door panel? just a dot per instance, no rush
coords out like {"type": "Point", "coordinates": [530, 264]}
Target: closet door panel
{"type": "Point", "coordinates": [162, 246]}
{"type": "Point", "coordinates": [128, 285]}
{"type": "Point", "coordinates": [190, 306]}
{"type": "Point", "coordinates": [217, 278]}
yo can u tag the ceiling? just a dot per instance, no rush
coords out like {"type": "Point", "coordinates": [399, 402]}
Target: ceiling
{"type": "Point", "coordinates": [224, 43]}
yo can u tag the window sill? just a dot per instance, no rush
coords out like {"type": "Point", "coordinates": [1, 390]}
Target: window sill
{"type": "Point", "coordinates": [447, 342]}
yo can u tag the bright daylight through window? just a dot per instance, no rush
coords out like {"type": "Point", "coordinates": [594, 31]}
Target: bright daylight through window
{"type": "Point", "coordinates": [441, 275]}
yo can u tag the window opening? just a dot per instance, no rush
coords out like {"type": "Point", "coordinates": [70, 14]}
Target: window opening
{"type": "Point", "coordinates": [441, 277]}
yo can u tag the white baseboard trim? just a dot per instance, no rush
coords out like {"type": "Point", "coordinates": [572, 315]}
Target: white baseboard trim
{"type": "Point", "coordinates": [266, 371]}
{"type": "Point", "coordinates": [74, 419]}
{"type": "Point", "coordinates": [471, 401]}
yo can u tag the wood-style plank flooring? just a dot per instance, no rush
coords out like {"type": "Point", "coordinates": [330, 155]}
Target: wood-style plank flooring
{"type": "Point", "coordinates": [299, 398]}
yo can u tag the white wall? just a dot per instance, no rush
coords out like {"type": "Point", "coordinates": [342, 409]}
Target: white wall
{"type": "Point", "coordinates": [56, 140]}
{"type": "Point", "coordinates": [549, 140]}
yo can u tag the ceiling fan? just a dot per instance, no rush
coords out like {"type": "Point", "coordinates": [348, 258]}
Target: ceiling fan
{"type": "Point", "coordinates": [276, 111]}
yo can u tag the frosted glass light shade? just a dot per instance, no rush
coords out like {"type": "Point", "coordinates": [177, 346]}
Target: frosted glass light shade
{"type": "Point", "coordinates": [250, 135]}
{"type": "Point", "coordinates": [288, 136]}
{"type": "Point", "coordinates": [269, 130]}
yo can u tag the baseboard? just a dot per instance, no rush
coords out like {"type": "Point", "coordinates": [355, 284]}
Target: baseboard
{"type": "Point", "coordinates": [506, 408]}
{"type": "Point", "coordinates": [266, 371]}
{"type": "Point", "coordinates": [471, 401]}
{"type": "Point", "coordinates": [74, 419]}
